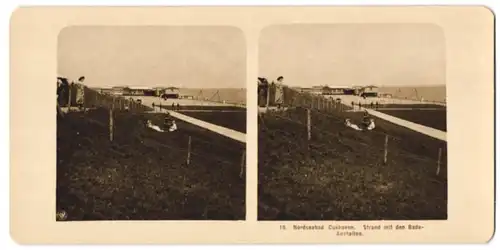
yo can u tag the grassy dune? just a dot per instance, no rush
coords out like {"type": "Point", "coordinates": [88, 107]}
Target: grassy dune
{"type": "Point", "coordinates": [142, 174]}
{"type": "Point", "coordinates": [340, 175]}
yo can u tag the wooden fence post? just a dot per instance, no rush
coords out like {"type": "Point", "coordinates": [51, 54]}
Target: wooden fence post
{"type": "Point", "coordinates": [309, 124]}
{"type": "Point", "coordinates": [188, 160]}
{"type": "Point", "coordinates": [439, 161]}
{"type": "Point", "coordinates": [385, 148]}
{"type": "Point", "coordinates": [242, 164]}
{"type": "Point", "coordinates": [111, 124]}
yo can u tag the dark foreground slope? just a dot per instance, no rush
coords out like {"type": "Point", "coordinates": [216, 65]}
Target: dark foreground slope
{"type": "Point", "coordinates": [143, 174]}
{"type": "Point", "coordinates": [340, 175]}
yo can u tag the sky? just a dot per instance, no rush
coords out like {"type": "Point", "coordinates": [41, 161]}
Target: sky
{"type": "Point", "coordinates": [353, 54]}
{"type": "Point", "coordinates": [187, 57]}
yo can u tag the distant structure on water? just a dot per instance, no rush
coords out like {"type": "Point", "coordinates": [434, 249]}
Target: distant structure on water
{"type": "Point", "coordinates": [171, 92]}
{"type": "Point", "coordinates": [363, 91]}
{"type": "Point", "coordinates": [164, 92]}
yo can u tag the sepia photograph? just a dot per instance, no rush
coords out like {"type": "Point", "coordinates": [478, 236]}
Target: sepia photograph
{"type": "Point", "coordinates": [252, 125]}
{"type": "Point", "coordinates": [151, 123]}
{"type": "Point", "coordinates": [352, 122]}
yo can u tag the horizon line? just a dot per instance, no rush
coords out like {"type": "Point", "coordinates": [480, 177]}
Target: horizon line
{"type": "Point", "coordinates": [169, 87]}
{"type": "Point", "coordinates": [380, 86]}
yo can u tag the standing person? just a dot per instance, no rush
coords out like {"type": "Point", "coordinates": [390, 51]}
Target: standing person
{"type": "Point", "coordinates": [352, 104]}
{"type": "Point", "coordinates": [265, 93]}
{"type": "Point", "coordinates": [376, 105]}
{"type": "Point", "coordinates": [61, 90]}
{"type": "Point", "coordinates": [59, 95]}
{"type": "Point", "coordinates": [80, 92]}
{"type": "Point", "coordinates": [278, 96]}
{"type": "Point", "coordinates": [359, 105]}
{"type": "Point", "coordinates": [59, 86]}
{"type": "Point", "coordinates": [371, 105]}
{"type": "Point", "coordinates": [262, 91]}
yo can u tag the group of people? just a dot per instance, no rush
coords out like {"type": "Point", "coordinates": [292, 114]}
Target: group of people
{"type": "Point", "coordinates": [64, 93]}
{"type": "Point", "coordinates": [271, 94]}
{"type": "Point", "coordinates": [372, 105]}
{"type": "Point", "coordinates": [168, 125]}
{"type": "Point", "coordinates": [174, 105]}
{"type": "Point", "coordinates": [368, 123]}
